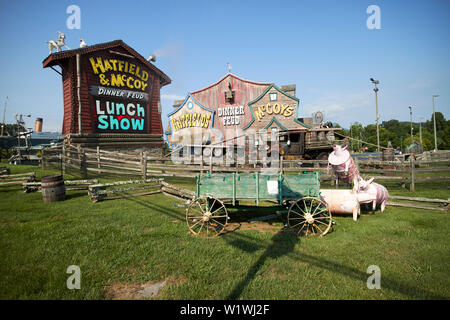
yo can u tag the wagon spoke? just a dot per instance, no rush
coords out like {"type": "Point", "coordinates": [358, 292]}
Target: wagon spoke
{"type": "Point", "coordinates": [218, 222]}
{"type": "Point", "coordinates": [315, 225]}
{"type": "Point", "coordinates": [299, 223]}
{"type": "Point", "coordinates": [323, 210]}
{"type": "Point", "coordinates": [301, 229]}
{"type": "Point", "coordinates": [310, 207]}
{"type": "Point", "coordinates": [300, 208]}
{"type": "Point", "coordinates": [201, 209]}
{"type": "Point", "coordinates": [212, 206]}
{"type": "Point", "coordinates": [220, 216]}
{"type": "Point", "coordinates": [299, 214]}
{"type": "Point", "coordinates": [193, 218]}
{"type": "Point", "coordinates": [323, 217]}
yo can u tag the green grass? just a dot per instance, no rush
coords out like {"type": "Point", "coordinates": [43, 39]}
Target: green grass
{"type": "Point", "coordinates": [143, 239]}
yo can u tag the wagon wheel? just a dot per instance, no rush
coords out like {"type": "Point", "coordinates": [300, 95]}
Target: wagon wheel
{"type": "Point", "coordinates": [311, 216]}
{"type": "Point", "coordinates": [206, 217]}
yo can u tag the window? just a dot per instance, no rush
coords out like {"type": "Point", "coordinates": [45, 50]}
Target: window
{"type": "Point", "coordinates": [273, 96]}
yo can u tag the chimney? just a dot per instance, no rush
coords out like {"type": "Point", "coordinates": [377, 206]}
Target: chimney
{"type": "Point", "coordinates": [177, 103]}
{"type": "Point", "coordinates": [289, 89]}
{"type": "Point", "coordinates": [38, 125]}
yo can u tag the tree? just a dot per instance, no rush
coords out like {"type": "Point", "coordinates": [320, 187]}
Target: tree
{"type": "Point", "coordinates": [11, 129]}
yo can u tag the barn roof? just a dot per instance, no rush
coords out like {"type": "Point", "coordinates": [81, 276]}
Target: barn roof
{"type": "Point", "coordinates": [55, 58]}
{"type": "Point", "coordinates": [235, 77]}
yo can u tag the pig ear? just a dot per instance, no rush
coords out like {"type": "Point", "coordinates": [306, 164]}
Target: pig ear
{"type": "Point", "coordinates": [370, 180]}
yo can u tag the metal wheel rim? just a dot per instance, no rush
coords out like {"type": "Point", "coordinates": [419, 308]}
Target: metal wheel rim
{"type": "Point", "coordinates": [311, 216]}
{"type": "Point", "coordinates": [206, 220]}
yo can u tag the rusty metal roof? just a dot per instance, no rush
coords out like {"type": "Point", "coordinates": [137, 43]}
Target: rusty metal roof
{"type": "Point", "coordinates": [54, 58]}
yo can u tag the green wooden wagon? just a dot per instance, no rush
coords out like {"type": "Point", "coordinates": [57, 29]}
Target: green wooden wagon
{"type": "Point", "coordinates": [298, 195]}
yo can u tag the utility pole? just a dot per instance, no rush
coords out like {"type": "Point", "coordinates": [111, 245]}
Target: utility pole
{"type": "Point", "coordinates": [375, 82]}
{"type": "Point", "coordinates": [410, 116]}
{"type": "Point", "coordinates": [4, 115]}
{"type": "Point", "coordinates": [420, 130]}
{"type": "Point", "coordinates": [434, 120]}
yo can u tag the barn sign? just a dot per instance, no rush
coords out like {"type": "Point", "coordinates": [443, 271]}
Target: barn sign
{"type": "Point", "coordinates": [189, 118]}
{"type": "Point", "coordinates": [109, 88]}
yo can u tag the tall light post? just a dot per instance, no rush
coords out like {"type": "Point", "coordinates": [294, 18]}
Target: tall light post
{"type": "Point", "coordinates": [420, 130]}
{"type": "Point", "coordinates": [410, 116]}
{"type": "Point", "coordinates": [434, 120]}
{"type": "Point", "coordinates": [375, 82]}
{"type": "Point", "coordinates": [4, 114]}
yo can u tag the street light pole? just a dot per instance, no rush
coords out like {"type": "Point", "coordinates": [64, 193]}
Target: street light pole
{"type": "Point", "coordinates": [434, 120]}
{"type": "Point", "coordinates": [4, 114]}
{"type": "Point", "coordinates": [420, 130]}
{"type": "Point", "coordinates": [410, 116]}
{"type": "Point", "coordinates": [375, 82]}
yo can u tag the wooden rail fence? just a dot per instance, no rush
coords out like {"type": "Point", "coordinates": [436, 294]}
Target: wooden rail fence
{"type": "Point", "coordinates": [139, 164]}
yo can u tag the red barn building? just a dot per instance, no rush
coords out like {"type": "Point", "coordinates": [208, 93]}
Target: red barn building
{"type": "Point", "coordinates": [111, 96]}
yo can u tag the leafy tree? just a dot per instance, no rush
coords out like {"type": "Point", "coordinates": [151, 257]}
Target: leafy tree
{"type": "Point", "coordinates": [11, 129]}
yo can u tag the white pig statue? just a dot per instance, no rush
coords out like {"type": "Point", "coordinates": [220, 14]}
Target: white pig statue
{"type": "Point", "coordinates": [372, 192]}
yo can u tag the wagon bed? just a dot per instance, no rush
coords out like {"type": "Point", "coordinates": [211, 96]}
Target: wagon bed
{"type": "Point", "coordinates": [300, 194]}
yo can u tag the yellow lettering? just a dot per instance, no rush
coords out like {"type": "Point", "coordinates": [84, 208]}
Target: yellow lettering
{"type": "Point", "coordinates": [289, 112]}
{"type": "Point", "coordinates": [144, 76]}
{"type": "Point", "coordinates": [137, 72]}
{"type": "Point", "coordinates": [283, 107]}
{"type": "Point", "coordinates": [131, 70]}
{"type": "Point", "coordinates": [259, 113]}
{"type": "Point", "coordinates": [97, 65]}
{"type": "Point", "coordinates": [107, 66]}
{"type": "Point", "coordinates": [113, 62]}
{"type": "Point", "coordinates": [269, 109]}
{"type": "Point", "coordinates": [137, 83]}
{"type": "Point", "coordinates": [276, 108]}
{"type": "Point", "coordinates": [174, 125]}
{"type": "Point", "coordinates": [117, 80]}
{"type": "Point", "coordinates": [121, 63]}
{"type": "Point", "coordinates": [144, 85]}
{"type": "Point", "coordinates": [128, 82]}
{"type": "Point", "coordinates": [208, 118]}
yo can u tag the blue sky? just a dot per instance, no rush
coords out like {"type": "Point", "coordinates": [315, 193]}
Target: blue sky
{"type": "Point", "coordinates": [324, 47]}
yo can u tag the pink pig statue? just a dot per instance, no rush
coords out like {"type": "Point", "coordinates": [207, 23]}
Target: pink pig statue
{"type": "Point", "coordinates": [371, 192]}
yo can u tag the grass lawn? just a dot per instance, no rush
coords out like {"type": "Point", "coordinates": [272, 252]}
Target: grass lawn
{"type": "Point", "coordinates": [121, 243]}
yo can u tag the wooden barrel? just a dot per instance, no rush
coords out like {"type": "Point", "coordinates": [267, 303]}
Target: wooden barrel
{"type": "Point", "coordinates": [388, 154]}
{"type": "Point", "coordinates": [53, 188]}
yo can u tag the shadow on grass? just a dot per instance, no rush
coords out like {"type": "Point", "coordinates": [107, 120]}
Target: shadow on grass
{"type": "Point", "coordinates": [73, 195]}
{"type": "Point", "coordinates": [161, 209]}
{"type": "Point", "coordinates": [283, 243]}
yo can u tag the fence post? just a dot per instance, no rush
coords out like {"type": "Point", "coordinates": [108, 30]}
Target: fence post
{"type": "Point", "coordinates": [83, 163]}
{"type": "Point", "coordinates": [281, 164]}
{"type": "Point", "coordinates": [412, 187]}
{"type": "Point", "coordinates": [144, 165]}
{"type": "Point", "coordinates": [98, 160]}
{"type": "Point", "coordinates": [43, 159]}
{"type": "Point", "coordinates": [80, 159]}
{"type": "Point", "coordinates": [210, 162]}
{"type": "Point", "coordinates": [63, 158]}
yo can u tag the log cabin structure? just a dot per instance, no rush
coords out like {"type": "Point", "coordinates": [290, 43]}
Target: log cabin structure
{"type": "Point", "coordinates": [111, 96]}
